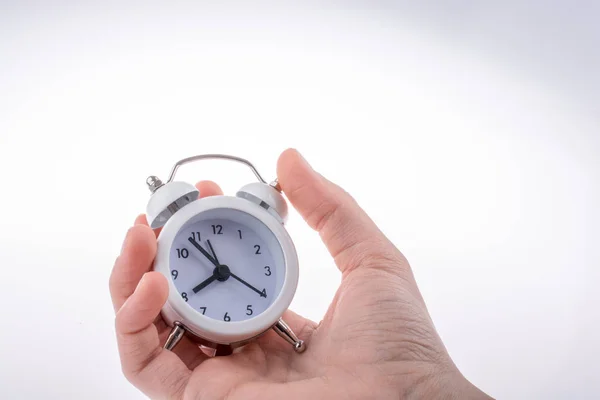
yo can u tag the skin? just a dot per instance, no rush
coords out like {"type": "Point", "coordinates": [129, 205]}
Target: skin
{"type": "Point", "coordinates": [376, 341]}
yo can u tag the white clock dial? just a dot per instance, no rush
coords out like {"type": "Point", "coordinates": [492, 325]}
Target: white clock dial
{"type": "Point", "coordinates": [227, 265]}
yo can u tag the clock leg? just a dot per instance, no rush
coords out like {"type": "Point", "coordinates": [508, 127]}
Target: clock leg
{"type": "Point", "coordinates": [175, 336]}
{"type": "Point", "coordinates": [286, 333]}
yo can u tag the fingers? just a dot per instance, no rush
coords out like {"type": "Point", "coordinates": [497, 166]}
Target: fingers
{"type": "Point", "coordinates": [139, 250]}
{"type": "Point", "coordinates": [349, 234]}
{"type": "Point", "coordinates": [137, 254]}
{"type": "Point", "coordinates": [138, 296]}
{"type": "Point", "coordinates": [140, 309]}
{"type": "Point", "coordinates": [141, 220]}
{"type": "Point", "coordinates": [208, 188]}
{"type": "Point", "coordinates": [158, 373]}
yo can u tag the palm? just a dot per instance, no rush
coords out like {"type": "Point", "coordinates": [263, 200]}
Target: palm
{"type": "Point", "coordinates": [375, 341]}
{"type": "Point", "coordinates": [346, 339]}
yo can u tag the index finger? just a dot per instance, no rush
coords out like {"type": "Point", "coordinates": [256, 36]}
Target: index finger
{"type": "Point", "coordinates": [137, 254]}
{"type": "Point", "coordinates": [157, 372]}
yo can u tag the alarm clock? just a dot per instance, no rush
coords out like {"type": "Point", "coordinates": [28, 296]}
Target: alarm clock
{"type": "Point", "coordinates": [231, 265]}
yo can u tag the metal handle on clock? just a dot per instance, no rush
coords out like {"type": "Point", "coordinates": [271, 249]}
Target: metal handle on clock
{"type": "Point", "coordinates": [213, 157]}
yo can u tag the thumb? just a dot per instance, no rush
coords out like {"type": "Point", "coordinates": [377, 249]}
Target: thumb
{"type": "Point", "coordinates": [352, 238]}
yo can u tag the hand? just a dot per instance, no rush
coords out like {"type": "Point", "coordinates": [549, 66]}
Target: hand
{"type": "Point", "coordinates": [375, 341]}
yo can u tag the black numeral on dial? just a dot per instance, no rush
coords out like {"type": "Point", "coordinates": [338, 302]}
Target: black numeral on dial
{"type": "Point", "coordinates": [196, 236]}
{"type": "Point", "coordinates": [226, 318]}
{"type": "Point", "coordinates": [203, 310]}
{"type": "Point", "coordinates": [182, 253]}
{"type": "Point", "coordinates": [240, 232]}
{"type": "Point", "coordinates": [174, 274]}
{"type": "Point", "coordinates": [249, 309]}
{"type": "Point", "coordinates": [217, 229]}
{"type": "Point", "coordinates": [268, 271]}
{"type": "Point", "coordinates": [257, 247]}
{"type": "Point", "coordinates": [184, 296]}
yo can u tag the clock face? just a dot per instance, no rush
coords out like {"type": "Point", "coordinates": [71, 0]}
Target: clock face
{"type": "Point", "coordinates": [227, 265]}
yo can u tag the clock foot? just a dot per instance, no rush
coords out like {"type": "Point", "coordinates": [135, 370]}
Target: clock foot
{"type": "Point", "coordinates": [174, 337]}
{"type": "Point", "coordinates": [289, 336]}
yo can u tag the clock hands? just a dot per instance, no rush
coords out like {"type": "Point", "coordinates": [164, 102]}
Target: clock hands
{"type": "Point", "coordinates": [205, 283]}
{"type": "Point", "coordinates": [221, 272]}
{"type": "Point", "coordinates": [262, 294]}
{"type": "Point", "coordinates": [213, 252]}
{"type": "Point", "coordinates": [234, 276]}
{"type": "Point", "coordinates": [204, 252]}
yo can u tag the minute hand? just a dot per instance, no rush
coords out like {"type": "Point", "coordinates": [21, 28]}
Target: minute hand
{"type": "Point", "coordinates": [204, 252]}
{"type": "Point", "coordinates": [262, 294]}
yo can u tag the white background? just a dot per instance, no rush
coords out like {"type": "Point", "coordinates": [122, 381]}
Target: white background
{"type": "Point", "coordinates": [469, 132]}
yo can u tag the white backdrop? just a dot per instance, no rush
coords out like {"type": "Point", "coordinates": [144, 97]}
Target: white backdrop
{"type": "Point", "coordinates": [469, 133]}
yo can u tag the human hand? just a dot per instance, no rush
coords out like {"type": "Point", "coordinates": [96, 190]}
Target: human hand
{"type": "Point", "coordinates": [376, 339]}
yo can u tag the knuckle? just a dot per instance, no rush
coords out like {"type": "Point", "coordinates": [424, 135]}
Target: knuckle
{"type": "Point", "coordinates": [298, 190]}
{"type": "Point", "coordinates": [130, 375]}
{"type": "Point", "coordinates": [136, 358]}
{"type": "Point", "coordinates": [120, 321]}
{"type": "Point", "coordinates": [323, 213]}
{"type": "Point", "coordinates": [372, 255]}
{"type": "Point", "coordinates": [382, 259]}
{"type": "Point", "coordinates": [322, 201]}
{"type": "Point", "coordinates": [337, 202]}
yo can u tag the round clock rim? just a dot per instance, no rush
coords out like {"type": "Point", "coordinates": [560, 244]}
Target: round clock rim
{"type": "Point", "coordinates": [176, 309]}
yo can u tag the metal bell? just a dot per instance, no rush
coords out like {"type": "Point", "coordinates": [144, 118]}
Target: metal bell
{"type": "Point", "coordinates": [266, 196]}
{"type": "Point", "coordinates": [167, 199]}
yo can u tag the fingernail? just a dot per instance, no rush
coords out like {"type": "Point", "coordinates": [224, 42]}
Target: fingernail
{"type": "Point", "coordinates": [140, 220]}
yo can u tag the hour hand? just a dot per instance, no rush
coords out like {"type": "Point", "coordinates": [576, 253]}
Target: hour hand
{"type": "Point", "coordinates": [204, 252]}
{"type": "Point", "coordinates": [213, 251]}
{"type": "Point", "coordinates": [204, 284]}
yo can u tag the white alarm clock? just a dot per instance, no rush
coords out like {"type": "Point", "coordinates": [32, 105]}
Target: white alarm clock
{"type": "Point", "coordinates": [232, 267]}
